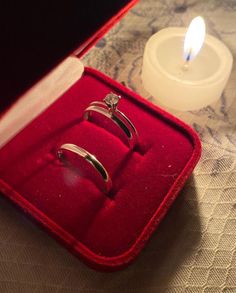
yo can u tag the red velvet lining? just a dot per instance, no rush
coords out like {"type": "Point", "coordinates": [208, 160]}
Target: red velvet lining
{"type": "Point", "coordinates": [108, 233]}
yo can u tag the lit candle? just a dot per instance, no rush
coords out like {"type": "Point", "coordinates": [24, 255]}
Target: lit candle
{"type": "Point", "coordinates": [180, 74]}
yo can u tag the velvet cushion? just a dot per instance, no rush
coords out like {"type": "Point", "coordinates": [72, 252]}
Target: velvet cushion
{"type": "Point", "coordinates": [106, 232]}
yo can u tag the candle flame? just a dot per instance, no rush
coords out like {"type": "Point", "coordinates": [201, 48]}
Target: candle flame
{"type": "Point", "coordinates": [194, 38]}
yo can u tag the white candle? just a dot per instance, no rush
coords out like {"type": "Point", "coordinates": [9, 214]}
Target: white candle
{"type": "Point", "coordinates": [178, 78]}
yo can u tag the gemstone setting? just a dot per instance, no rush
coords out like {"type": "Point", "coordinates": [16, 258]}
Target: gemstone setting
{"type": "Point", "coordinates": [112, 100]}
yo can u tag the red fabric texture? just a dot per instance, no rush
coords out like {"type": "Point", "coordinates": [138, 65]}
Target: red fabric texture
{"type": "Point", "coordinates": [107, 233]}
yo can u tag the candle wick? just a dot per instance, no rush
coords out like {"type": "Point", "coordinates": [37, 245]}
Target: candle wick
{"type": "Point", "coordinates": [186, 63]}
{"type": "Point", "coordinates": [189, 56]}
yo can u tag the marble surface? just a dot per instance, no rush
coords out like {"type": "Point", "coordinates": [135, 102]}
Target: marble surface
{"type": "Point", "coordinates": [194, 249]}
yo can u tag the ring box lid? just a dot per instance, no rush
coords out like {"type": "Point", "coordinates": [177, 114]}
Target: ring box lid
{"type": "Point", "coordinates": [37, 37]}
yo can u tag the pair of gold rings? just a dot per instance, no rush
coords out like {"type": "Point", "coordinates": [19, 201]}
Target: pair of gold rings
{"type": "Point", "coordinates": [108, 108]}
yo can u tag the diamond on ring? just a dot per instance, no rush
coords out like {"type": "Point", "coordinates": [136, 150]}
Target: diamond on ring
{"type": "Point", "coordinates": [112, 100]}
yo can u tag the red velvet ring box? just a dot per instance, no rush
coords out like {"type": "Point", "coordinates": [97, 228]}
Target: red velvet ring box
{"type": "Point", "coordinates": [106, 232]}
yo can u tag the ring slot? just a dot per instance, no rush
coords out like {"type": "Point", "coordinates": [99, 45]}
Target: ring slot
{"type": "Point", "coordinates": [97, 165]}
